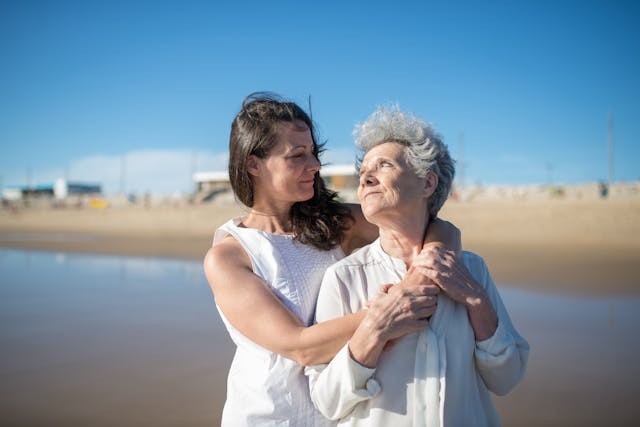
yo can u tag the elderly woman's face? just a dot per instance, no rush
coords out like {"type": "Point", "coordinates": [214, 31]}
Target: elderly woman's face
{"type": "Point", "coordinates": [388, 184]}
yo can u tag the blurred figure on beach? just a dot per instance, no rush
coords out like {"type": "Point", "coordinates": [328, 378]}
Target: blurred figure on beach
{"type": "Point", "coordinates": [441, 375]}
{"type": "Point", "coordinates": [603, 189]}
{"type": "Point", "coordinates": [265, 268]}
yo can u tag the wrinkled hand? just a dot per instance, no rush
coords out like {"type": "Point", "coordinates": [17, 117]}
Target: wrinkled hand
{"type": "Point", "coordinates": [415, 282]}
{"type": "Point", "coordinates": [446, 270]}
{"type": "Point", "coordinates": [395, 311]}
{"type": "Point", "coordinates": [451, 275]}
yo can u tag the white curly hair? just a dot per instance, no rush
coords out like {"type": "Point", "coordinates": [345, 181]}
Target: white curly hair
{"type": "Point", "coordinates": [424, 151]}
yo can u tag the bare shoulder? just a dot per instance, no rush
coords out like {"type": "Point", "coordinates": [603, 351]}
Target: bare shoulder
{"type": "Point", "coordinates": [224, 258]}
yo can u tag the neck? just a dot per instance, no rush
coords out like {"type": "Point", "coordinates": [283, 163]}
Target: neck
{"type": "Point", "coordinates": [404, 240]}
{"type": "Point", "coordinates": [269, 218]}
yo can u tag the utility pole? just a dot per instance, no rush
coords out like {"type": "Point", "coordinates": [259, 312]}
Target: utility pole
{"type": "Point", "coordinates": [610, 149]}
{"type": "Point", "coordinates": [194, 167]}
{"type": "Point", "coordinates": [123, 174]}
{"type": "Point", "coordinates": [461, 161]}
{"type": "Point", "coordinates": [550, 174]}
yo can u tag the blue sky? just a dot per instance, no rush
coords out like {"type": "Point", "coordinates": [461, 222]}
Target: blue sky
{"type": "Point", "coordinates": [86, 86]}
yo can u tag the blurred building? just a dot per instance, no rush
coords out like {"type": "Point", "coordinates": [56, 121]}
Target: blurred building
{"type": "Point", "coordinates": [340, 177]}
{"type": "Point", "coordinates": [60, 189]}
{"type": "Point", "coordinates": [210, 184]}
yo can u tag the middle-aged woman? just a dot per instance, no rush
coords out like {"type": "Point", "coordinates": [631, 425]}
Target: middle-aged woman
{"type": "Point", "coordinates": [265, 268]}
{"type": "Point", "coordinates": [441, 375]}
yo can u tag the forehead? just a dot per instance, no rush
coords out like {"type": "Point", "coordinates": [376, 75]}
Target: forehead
{"type": "Point", "coordinates": [291, 135]}
{"type": "Point", "coordinates": [387, 150]}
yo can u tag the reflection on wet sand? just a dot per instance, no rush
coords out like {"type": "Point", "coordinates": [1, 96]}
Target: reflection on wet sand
{"type": "Point", "coordinates": [582, 367]}
{"type": "Point", "coordinates": [95, 340]}
{"type": "Point", "coordinates": [110, 340]}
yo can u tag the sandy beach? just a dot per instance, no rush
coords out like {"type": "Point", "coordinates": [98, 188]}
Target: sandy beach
{"type": "Point", "coordinates": [556, 245]}
{"type": "Point", "coordinates": [580, 253]}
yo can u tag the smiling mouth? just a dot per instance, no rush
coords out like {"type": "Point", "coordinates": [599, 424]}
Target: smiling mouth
{"type": "Point", "coordinates": [370, 193]}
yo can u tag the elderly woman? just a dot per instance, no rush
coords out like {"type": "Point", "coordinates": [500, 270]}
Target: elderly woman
{"type": "Point", "coordinates": [442, 375]}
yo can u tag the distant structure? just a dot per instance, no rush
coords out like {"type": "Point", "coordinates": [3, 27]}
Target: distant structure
{"type": "Point", "coordinates": [210, 184]}
{"type": "Point", "coordinates": [340, 177]}
{"type": "Point", "coordinates": [60, 189]}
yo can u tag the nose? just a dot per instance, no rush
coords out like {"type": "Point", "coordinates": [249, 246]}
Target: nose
{"type": "Point", "coordinates": [367, 179]}
{"type": "Point", "coordinates": [313, 164]}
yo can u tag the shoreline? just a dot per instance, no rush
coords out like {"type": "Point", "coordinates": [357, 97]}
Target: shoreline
{"type": "Point", "coordinates": [532, 268]}
{"type": "Point", "coordinates": [579, 247]}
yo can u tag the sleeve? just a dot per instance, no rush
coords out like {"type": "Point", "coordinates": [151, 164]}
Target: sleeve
{"type": "Point", "coordinates": [501, 359]}
{"type": "Point", "coordinates": [336, 388]}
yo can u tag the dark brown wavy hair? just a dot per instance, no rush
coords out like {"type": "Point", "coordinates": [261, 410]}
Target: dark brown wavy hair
{"type": "Point", "coordinates": [320, 221]}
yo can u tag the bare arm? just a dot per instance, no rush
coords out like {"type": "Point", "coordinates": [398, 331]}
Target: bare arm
{"type": "Point", "coordinates": [257, 313]}
{"type": "Point", "coordinates": [379, 327]}
{"type": "Point", "coordinates": [251, 307]}
{"type": "Point", "coordinates": [443, 234]}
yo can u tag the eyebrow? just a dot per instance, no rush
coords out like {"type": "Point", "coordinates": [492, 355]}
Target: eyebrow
{"type": "Point", "coordinates": [298, 147]}
{"type": "Point", "coordinates": [376, 161]}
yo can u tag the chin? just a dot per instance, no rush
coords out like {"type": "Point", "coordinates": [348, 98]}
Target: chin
{"type": "Point", "coordinates": [367, 211]}
{"type": "Point", "coordinates": [306, 196]}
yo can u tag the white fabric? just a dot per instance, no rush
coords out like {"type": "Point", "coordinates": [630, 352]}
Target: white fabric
{"type": "Point", "coordinates": [438, 377]}
{"type": "Point", "coordinates": [264, 388]}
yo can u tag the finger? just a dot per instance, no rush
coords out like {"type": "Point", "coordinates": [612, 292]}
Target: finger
{"type": "Point", "coordinates": [413, 278]}
{"type": "Point", "coordinates": [385, 288]}
{"type": "Point", "coordinates": [449, 255]}
{"type": "Point", "coordinates": [422, 302]}
{"type": "Point", "coordinates": [427, 289]}
{"type": "Point", "coordinates": [430, 261]}
{"type": "Point", "coordinates": [432, 251]}
{"type": "Point", "coordinates": [419, 324]}
{"type": "Point", "coordinates": [426, 312]}
{"type": "Point", "coordinates": [435, 275]}
{"type": "Point", "coordinates": [450, 259]}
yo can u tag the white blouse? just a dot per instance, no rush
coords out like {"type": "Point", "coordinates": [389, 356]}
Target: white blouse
{"type": "Point", "coordinates": [437, 377]}
{"type": "Point", "coordinates": [265, 388]}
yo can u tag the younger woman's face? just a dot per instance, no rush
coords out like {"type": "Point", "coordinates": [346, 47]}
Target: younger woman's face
{"type": "Point", "coordinates": [288, 171]}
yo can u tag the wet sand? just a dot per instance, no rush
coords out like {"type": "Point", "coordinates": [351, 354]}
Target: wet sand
{"type": "Point", "coordinates": [561, 246]}
{"type": "Point", "coordinates": [129, 341]}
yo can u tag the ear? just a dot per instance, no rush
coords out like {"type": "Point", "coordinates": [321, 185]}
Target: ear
{"type": "Point", "coordinates": [430, 184]}
{"type": "Point", "coordinates": [253, 165]}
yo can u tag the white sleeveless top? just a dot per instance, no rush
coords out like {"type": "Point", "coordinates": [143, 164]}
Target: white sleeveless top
{"type": "Point", "coordinates": [264, 388]}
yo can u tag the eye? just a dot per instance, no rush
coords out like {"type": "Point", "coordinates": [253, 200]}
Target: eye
{"type": "Point", "coordinates": [385, 164]}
